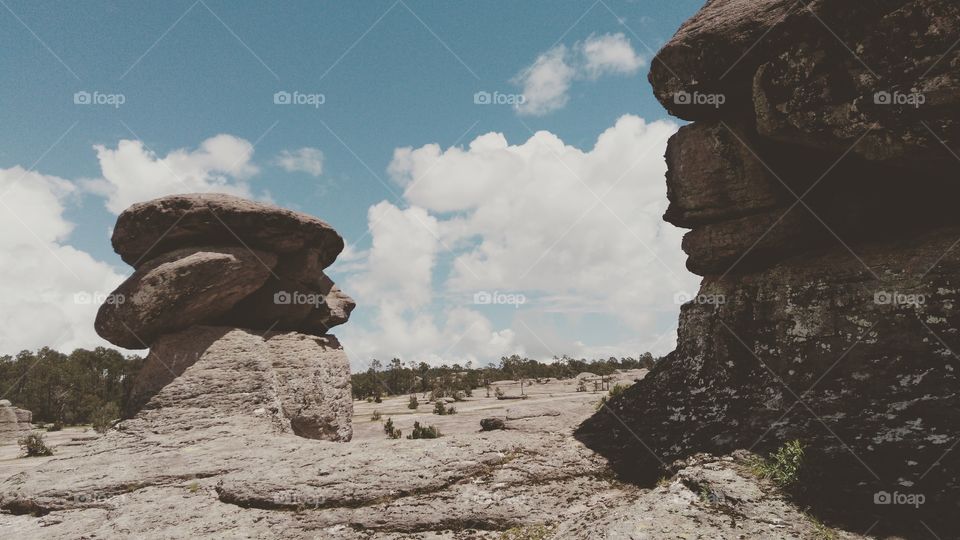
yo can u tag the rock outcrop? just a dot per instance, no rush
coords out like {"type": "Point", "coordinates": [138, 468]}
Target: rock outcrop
{"type": "Point", "coordinates": [14, 422]}
{"type": "Point", "coordinates": [819, 181]}
{"type": "Point", "coordinates": [231, 298]}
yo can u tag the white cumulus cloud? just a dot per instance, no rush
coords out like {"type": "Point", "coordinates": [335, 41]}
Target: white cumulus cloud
{"type": "Point", "coordinates": [547, 81]}
{"type": "Point", "coordinates": [307, 160]}
{"type": "Point", "coordinates": [577, 232]}
{"type": "Point", "coordinates": [48, 289]}
{"type": "Point", "coordinates": [132, 173]}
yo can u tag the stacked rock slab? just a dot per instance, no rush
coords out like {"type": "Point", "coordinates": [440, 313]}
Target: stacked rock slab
{"type": "Point", "coordinates": [14, 422]}
{"type": "Point", "coordinates": [231, 298]}
{"type": "Point", "coordinates": [819, 179]}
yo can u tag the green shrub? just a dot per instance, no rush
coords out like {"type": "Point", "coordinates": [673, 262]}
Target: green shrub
{"type": "Point", "coordinates": [104, 416]}
{"type": "Point", "coordinates": [618, 389]}
{"type": "Point", "coordinates": [783, 467]}
{"type": "Point", "coordinates": [413, 403]}
{"type": "Point", "coordinates": [390, 430]}
{"type": "Point", "coordinates": [377, 399]}
{"type": "Point", "coordinates": [33, 445]}
{"type": "Point", "coordinates": [375, 416]}
{"type": "Point", "coordinates": [420, 432]}
{"type": "Point", "coordinates": [441, 409]}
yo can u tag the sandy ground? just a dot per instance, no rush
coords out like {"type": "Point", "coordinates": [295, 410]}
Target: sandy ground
{"type": "Point", "coordinates": [553, 395]}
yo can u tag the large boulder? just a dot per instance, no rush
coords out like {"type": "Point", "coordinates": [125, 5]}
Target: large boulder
{"type": "Point", "coordinates": [279, 381]}
{"type": "Point", "coordinates": [180, 288]}
{"type": "Point", "coordinates": [14, 422]}
{"type": "Point", "coordinates": [148, 229]}
{"type": "Point", "coordinates": [821, 197]}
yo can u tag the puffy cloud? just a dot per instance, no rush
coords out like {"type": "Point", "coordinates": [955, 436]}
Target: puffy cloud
{"type": "Point", "coordinates": [48, 290]}
{"type": "Point", "coordinates": [308, 160]}
{"type": "Point", "coordinates": [547, 81]}
{"type": "Point", "coordinates": [132, 173]}
{"type": "Point", "coordinates": [610, 53]}
{"type": "Point", "coordinates": [577, 232]}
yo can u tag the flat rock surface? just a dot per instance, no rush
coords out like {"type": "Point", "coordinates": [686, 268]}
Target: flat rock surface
{"type": "Point", "coordinates": [148, 229]}
{"type": "Point", "coordinates": [210, 479]}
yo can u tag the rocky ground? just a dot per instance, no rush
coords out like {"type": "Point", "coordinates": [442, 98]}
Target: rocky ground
{"type": "Point", "coordinates": [532, 478]}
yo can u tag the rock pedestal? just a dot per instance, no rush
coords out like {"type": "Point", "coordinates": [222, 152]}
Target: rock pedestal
{"type": "Point", "coordinates": [231, 298]}
{"type": "Point", "coordinates": [819, 181]}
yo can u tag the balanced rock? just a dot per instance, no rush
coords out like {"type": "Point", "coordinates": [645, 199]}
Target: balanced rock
{"type": "Point", "coordinates": [821, 194]}
{"type": "Point", "coordinates": [178, 289]}
{"type": "Point", "coordinates": [234, 305]}
{"type": "Point", "coordinates": [146, 230]}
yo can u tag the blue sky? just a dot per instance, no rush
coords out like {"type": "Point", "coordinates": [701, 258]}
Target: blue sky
{"type": "Point", "coordinates": [393, 75]}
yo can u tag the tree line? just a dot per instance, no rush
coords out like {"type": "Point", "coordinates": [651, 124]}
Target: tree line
{"type": "Point", "coordinates": [87, 386]}
{"type": "Point", "coordinates": [77, 388]}
{"type": "Point", "coordinates": [398, 377]}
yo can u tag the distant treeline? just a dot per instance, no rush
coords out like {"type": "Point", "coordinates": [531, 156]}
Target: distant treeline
{"type": "Point", "coordinates": [75, 388]}
{"type": "Point", "coordinates": [397, 378]}
{"type": "Point", "coordinates": [86, 386]}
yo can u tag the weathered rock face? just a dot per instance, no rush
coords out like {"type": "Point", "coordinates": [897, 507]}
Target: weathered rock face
{"type": "Point", "coordinates": [237, 328]}
{"type": "Point", "coordinates": [146, 230]}
{"type": "Point", "coordinates": [284, 381]}
{"type": "Point", "coordinates": [179, 289]}
{"type": "Point", "coordinates": [819, 188]}
{"type": "Point", "coordinates": [14, 422]}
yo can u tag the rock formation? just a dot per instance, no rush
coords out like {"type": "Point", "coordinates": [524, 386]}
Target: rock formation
{"type": "Point", "coordinates": [819, 179]}
{"type": "Point", "coordinates": [14, 422]}
{"type": "Point", "coordinates": [231, 298]}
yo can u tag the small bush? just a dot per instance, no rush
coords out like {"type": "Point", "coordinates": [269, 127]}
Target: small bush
{"type": "Point", "coordinates": [56, 426]}
{"type": "Point", "coordinates": [499, 393]}
{"type": "Point", "coordinates": [413, 403]}
{"type": "Point", "coordinates": [783, 467]}
{"type": "Point", "coordinates": [420, 432]}
{"type": "Point", "coordinates": [375, 416]}
{"type": "Point", "coordinates": [441, 409]}
{"type": "Point", "coordinates": [390, 430]}
{"type": "Point", "coordinates": [618, 389]}
{"type": "Point", "coordinates": [377, 399]}
{"type": "Point", "coordinates": [103, 418]}
{"type": "Point", "coordinates": [581, 387]}
{"type": "Point", "coordinates": [33, 445]}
